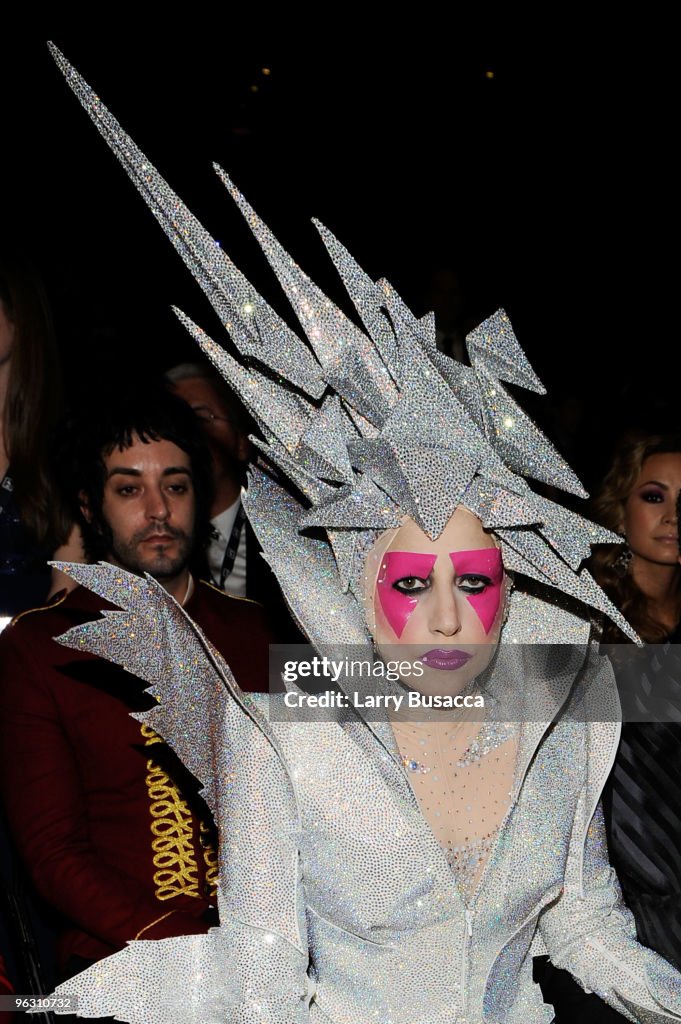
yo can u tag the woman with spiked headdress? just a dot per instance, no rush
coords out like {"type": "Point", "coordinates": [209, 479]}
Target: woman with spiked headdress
{"type": "Point", "coordinates": [385, 868]}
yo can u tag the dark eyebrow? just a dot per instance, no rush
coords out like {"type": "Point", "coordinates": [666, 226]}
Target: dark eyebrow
{"type": "Point", "coordinates": [169, 471]}
{"type": "Point", "coordinates": [123, 471]}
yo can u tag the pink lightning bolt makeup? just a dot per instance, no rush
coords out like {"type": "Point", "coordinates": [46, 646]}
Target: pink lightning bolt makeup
{"type": "Point", "coordinates": [438, 602]}
{"type": "Point", "coordinates": [482, 562]}
{"type": "Point", "coordinates": [400, 565]}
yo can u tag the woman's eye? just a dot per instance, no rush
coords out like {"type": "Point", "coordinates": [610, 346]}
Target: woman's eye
{"type": "Point", "coordinates": [410, 585]}
{"type": "Point", "coordinates": [473, 584]}
{"type": "Point", "coordinates": [652, 496]}
{"type": "Point", "coordinates": [127, 490]}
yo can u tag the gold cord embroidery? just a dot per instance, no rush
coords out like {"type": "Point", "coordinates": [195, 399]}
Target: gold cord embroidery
{"type": "Point", "coordinates": [172, 828]}
{"type": "Point", "coordinates": [152, 923]}
{"type": "Point", "coordinates": [54, 602]}
{"type": "Point", "coordinates": [210, 858]}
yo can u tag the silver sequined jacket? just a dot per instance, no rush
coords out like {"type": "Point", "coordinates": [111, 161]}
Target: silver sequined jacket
{"type": "Point", "coordinates": [337, 904]}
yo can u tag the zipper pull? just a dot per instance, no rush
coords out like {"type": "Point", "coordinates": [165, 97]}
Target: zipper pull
{"type": "Point", "coordinates": [469, 922]}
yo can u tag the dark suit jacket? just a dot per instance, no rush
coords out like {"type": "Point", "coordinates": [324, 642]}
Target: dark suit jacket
{"type": "Point", "coordinates": [262, 586]}
{"type": "Point", "coordinates": [92, 796]}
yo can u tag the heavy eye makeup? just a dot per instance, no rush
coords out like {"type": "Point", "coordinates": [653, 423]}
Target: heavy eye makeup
{"type": "Point", "coordinates": [479, 575]}
{"type": "Point", "coordinates": [652, 496]}
{"type": "Point", "coordinates": [407, 575]}
{"type": "Point", "coordinates": [411, 585]}
{"type": "Point", "coordinates": [473, 583]}
{"type": "Point", "coordinates": [404, 576]}
{"type": "Point", "coordinates": [469, 584]}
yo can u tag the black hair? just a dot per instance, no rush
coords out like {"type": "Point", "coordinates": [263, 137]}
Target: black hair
{"type": "Point", "coordinates": [150, 414]}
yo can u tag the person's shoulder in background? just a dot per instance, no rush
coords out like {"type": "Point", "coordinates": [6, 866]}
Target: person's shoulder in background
{"type": "Point", "coordinates": [238, 627]}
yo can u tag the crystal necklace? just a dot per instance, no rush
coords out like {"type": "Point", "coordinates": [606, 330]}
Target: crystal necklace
{"type": "Point", "coordinates": [489, 736]}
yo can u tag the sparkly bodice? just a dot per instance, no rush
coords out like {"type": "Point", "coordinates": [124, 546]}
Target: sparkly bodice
{"type": "Point", "coordinates": [468, 862]}
{"type": "Point", "coordinates": [462, 776]}
{"type": "Point", "coordinates": [335, 903]}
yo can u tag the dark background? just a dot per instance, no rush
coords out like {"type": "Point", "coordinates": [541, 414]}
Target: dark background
{"type": "Point", "coordinates": [535, 161]}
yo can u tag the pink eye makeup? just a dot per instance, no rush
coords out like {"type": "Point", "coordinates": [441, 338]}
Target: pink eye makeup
{"type": "Point", "coordinates": [479, 575]}
{"type": "Point", "coordinates": [402, 578]}
{"type": "Point", "coordinates": [406, 575]}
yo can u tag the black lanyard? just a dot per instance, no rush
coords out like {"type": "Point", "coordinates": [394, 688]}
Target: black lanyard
{"type": "Point", "coordinates": [232, 546]}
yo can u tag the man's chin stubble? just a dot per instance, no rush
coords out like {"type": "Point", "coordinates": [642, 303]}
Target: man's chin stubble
{"type": "Point", "coordinates": [160, 567]}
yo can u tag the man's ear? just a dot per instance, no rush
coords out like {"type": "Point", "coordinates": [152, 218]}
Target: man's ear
{"type": "Point", "coordinates": [84, 506]}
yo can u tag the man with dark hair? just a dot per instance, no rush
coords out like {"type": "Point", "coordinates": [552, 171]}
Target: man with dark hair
{"type": "Point", "coordinates": [108, 838]}
{"type": "Point", "coordinates": [149, 416]}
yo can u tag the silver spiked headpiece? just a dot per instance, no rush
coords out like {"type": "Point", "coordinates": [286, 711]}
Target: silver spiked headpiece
{"type": "Point", "coordinates": [360, 427]}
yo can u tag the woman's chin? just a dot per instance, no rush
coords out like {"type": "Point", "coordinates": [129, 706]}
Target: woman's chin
{"type": "Point", "coordinates": [446, 682]}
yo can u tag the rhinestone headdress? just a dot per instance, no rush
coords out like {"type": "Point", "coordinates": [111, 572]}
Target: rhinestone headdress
{"type": "Point", "coordinates": [360, 427]}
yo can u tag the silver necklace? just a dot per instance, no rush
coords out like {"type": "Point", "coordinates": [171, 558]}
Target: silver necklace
{"type": "Point", "coordinates": [489, 736]}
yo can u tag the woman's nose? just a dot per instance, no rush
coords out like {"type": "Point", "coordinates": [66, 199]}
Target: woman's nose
{"type": "Point", "coordinates": [670, 512]}
{"type": "Point", "coordinates": [444, 618]}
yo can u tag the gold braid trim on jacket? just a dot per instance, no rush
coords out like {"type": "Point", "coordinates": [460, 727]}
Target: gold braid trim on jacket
{"type": "Point", "coordinates": [210, 858]}
{"type": "Point", "coordinates": [172, 829]}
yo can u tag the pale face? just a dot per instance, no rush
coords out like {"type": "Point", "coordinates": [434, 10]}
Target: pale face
{"type": "Point", "coordinates": [650, 524]}
{"type": "Point", "coordinates": [149, 506]}
{"type": "Point", "coordinates": [441, 602]}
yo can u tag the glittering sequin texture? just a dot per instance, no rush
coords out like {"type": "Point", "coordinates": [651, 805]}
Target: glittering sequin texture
{"type": "Point", "coordinates": [337, 903]}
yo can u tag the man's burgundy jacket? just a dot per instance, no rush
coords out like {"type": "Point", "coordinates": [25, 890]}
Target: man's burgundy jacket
{"type": "Point", "coordinates": [105, 818]}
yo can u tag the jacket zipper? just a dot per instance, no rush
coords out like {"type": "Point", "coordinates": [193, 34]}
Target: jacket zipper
{"type": "Point", "coordinates": [468, 914]}
{"type": "Point", "coordinates": [536, 910]}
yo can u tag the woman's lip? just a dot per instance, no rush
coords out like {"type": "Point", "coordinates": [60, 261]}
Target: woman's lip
{"type": "Point", "coordinates": [446, 660]}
